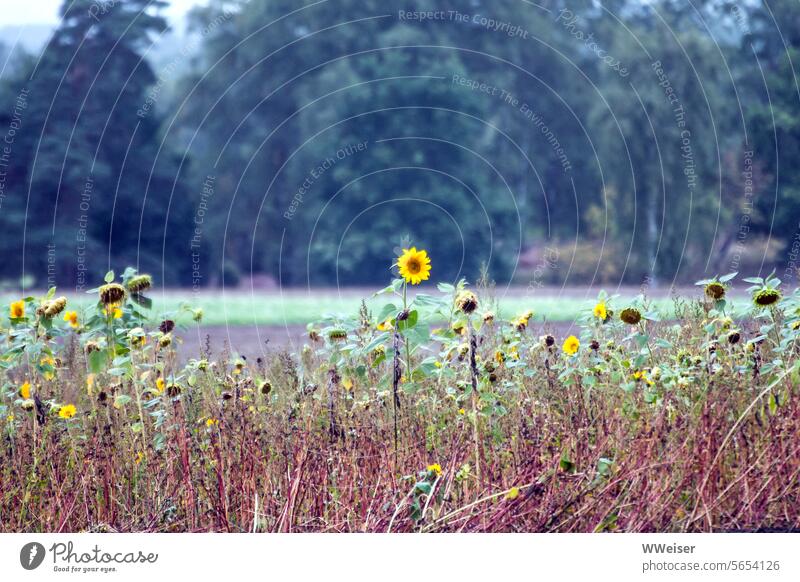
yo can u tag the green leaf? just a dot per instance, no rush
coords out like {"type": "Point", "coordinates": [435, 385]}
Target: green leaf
{"type": "Point", "coordinates": [145, 302]}
{"type": "Point", "coordinates": [109, 277]}
{"type": "Point", "coordinates": [97, 361]}
{"type": "Point", "coordinates": [121, 400]}
{"type": "Point", "coordinates": [409, 322]}
{"type": "Point", "coordinates": [423, 487]}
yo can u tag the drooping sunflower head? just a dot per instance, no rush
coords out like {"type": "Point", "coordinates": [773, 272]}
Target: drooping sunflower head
{"type": "Point", "coordinates": [734, 337]}
{"type": "Point", "coordinates": [488, 317]}
{"type": "Point", "coordinates": [600, 311]}
{"type": "Point", "coordinates": [414, 266]}
{"type": "Point", "coordinates": [715, 290]}
{"type": "Point", "coordinates": [139, 283]}
{"type": "Point", "coordinates": [112, 294]}
{"type": "Point", "coordinates": [631, 315]}
{"type": "Point", "coordinates": [766, 297]}
{"type": "Point", "coordinates": [53, 307]}
{"type": "Point", "coordinates": [337, 335]}
{"type": "Point", "coordinates": [571, 345]}
{"type": "Point", "coordinates": [467, 302]}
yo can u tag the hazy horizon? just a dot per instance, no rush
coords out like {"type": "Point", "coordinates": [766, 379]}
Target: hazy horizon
{"type": "Point", "coordinates": [19, 12]}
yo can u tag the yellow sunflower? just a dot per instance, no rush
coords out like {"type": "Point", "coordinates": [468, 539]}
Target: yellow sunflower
{"type": "Point", "coordinates": [67, 412]}
{"type": "Point", "coordinates": [17, 309]}
{"type": "Point", "coordinates": [571, 345]}
{"type": "Point", "coordinates": [600, 311]}
{"type": "Point", "coordinates": [25, 391]}
{"type": "Point", "coordinates": [72, 318]}
{"type": "Point", "coordinates": [414, 265]}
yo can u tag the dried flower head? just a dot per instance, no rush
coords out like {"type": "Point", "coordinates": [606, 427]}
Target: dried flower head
{"type": "Point", "coordinates": [139, 283]}
{"type": "Point", "coordinates": [467, 302]}
{"type": "Point", "coordinates": [52, 308]}
{"type": "Point", "coordinates": [715, 290]}
{"type": "Point", "coordinates": [112, 294]}
{"type": "Point", "coordinates": [631, 315]}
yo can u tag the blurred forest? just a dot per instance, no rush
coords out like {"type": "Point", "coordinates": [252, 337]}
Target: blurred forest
{"type": "Point", "coordinates": [296, 142]}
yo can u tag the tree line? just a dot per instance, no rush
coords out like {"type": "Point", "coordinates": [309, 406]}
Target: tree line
{"type": "Point", "coordinates": [302, 142]}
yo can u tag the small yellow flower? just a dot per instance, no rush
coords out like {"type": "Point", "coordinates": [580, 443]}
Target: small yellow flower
{"type": "Point", "coordinates": [17, 309]}
{"type": "Point", "coordinates": [25, 391]}
{"type": "Point", "coordinates": [499, 357]}
{"type": "Point", "coordinates": [212, 422]}
{"type": "Point", "coordinates": [512, 494]}
{"type": "Point", "coordinates": [385, 325]}
{"type": "Point", "coordinates": [66, 412]}
{"type": "Point", "coordinates": [10, 418]}
{"type": "Point", "coordinates": [160, 385]}
{"type": "Point", "coordinates": [462, 411]}
{"type": "Point", "coordinates": [348, 384]}
{"type": "Point", "coordinates": [571, 345]}
{"type": "Point", "coordinates": [139, 457]}
{"type": "Point", "coordinates": [113, 311]}
{"type": "Point", "coordinates": [436, 469]}
{"type": "Point", "coordinates": [414, 266]}
{"type": "Point", "coordinates": [600, 311]}
{"type": "Point", "coordinates": [72, 318]}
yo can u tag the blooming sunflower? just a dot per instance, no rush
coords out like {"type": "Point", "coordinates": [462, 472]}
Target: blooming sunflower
{"type": "Point", "coordinates": [600, 311]}
{"type": "Point", "coordinates": [25, 391]}
{"type": "Point", "coordinates": [17, 309]}
{"type": "Point", "coordinates": [113, 311]}
{"type": "Point", "coordinates": [414, 266]}
{"type": "Point", "coordinates": [72, 318]}
{"type": "Point", "coordinates": [435, 469]}
{"type": "Point", "coordinates": [571, 345]}
{"type": "Point", "coordinates": [512, 494]}
{"type": "Point", "coordinates": [385, 325]}
{"type": "Point", "coordinates": [66, 412]}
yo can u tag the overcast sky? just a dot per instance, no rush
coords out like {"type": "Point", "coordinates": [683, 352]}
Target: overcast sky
{"type": "Point", "coordinates": [46, 11]}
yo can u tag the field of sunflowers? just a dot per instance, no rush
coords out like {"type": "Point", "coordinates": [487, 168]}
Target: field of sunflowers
{"type": "Point", "coordinates": [431, 414]}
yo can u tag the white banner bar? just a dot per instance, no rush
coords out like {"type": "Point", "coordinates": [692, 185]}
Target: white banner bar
{"type": "Point", "coordinates": [353, 557]}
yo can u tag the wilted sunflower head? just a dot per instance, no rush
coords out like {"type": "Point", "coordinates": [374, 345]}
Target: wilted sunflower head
{"type": "Point", "coordinates": [112, 294]}
{"type": "Point", "coordinates": [734, 337]}
{"type": "Point", "coordinates": [488, 317]}
{"type": "Point", "coordinates": [139, 283]}
{"type": "Point", "coordinates": [166, 326]}
{"type": "Point", "coordinates": [548, 340]}
{"type": "Point", "coordinates": [265, 387]}
{"type": "Point", "coordinates": [715, 290]}
{"type": "Point", "coordinates": [337, 334]}
{"type": "Point", "coordinates": [50, 309]}
{"type": "Point", "coordinates": [766, 297]}
{"type": "Point", "coordinates": [631, 315]}
{"type": "Point", "coordinates": [467, 302]}
{"type": "Point", "coordinates": [165, 341]}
